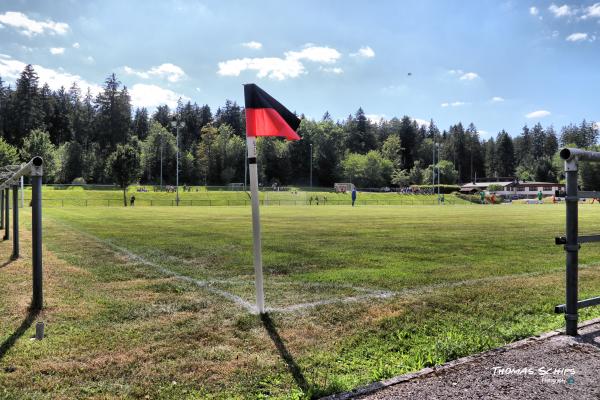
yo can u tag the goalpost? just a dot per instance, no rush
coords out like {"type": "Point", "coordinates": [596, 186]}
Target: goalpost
{"type": "Point", "coordinates": [343, 187]}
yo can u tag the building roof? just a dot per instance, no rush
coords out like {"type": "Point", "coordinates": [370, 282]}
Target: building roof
{"type": "Point", "coordinates": [485, 184]}
{"type": "Point", "coordinates": [540, 183]}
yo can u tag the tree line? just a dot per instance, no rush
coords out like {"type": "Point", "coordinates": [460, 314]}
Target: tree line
{"type": "Point", "coordinates": [101, 139]}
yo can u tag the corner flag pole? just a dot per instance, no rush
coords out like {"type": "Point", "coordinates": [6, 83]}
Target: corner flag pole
{"type": "Point", "coordinates": [265, 116]}
{"type": "Point", "coordinates": [258, 270]}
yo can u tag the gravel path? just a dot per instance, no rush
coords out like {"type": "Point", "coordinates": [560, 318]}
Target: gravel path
{"type": "Point", "coordinates": [551, 366]}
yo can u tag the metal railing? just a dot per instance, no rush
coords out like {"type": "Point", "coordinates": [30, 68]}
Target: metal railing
{"type": "Point", "coordinates": [9, 179]}
{"type": "Point", "coordinates": [572, 241]}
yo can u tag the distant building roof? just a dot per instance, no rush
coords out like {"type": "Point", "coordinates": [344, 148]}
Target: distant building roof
{"type": "Point", "coordinates": [541, 183]}
{"type": "Point", "coordinates": [486, 184]}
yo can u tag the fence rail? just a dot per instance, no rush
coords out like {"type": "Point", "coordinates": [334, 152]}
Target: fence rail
{"type": "Point", "coordinates": [572, 240]}
{"type": "Point", "coordinates": [9, 180]}
{"type": "Point", "coordinates": [412, 201]}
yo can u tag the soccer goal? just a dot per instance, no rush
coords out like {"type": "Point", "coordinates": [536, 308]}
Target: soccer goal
{"type": "Point", "coordinates": [343, 187]}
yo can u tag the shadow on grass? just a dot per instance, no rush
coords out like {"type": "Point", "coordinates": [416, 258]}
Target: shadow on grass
{"type": "Point", "coordinates": [7, 263]}
{"type": "Point", "coordinates": [11, 340]}
{"type": "Point", "coordinates": [283, 352]}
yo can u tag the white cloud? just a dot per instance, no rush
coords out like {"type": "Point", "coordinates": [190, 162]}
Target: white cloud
{"type": "Point", "coordinates": [272, 67]}
{"type": "Point", "coordinates": [533, 10]}
{"type": "Point", "coordinates": [453, 104]}
{"type": "Point", "coordinates": [469, 76]}
{"type": "Point", "coordinates": [30, 27]}
{"type": "Point", "coordinates": [290, 66]}
{"type": "Point", "coordinates": [57, 50]}
{"type": "Point", "coordinates": [11, 69]}
{"type": "Point", "coordinates": [593, 11]}
{"type": "Point", "coordinates": [456, 72]}
{"type": "Point", "coordinates": [375, 117]}
{"type": "Point", "coordinates": [253, 45]}
{"type": "Point", "coordinates": [421, 122]}
{"type": "Point", "coordinates": [562, 11]}
{"type": "Point", "coordinates": [364, 52]}
{"type": "Point", "coordinates": [577, 37]}
{"type": "Point", "coordinates": [497, 99]}
{"type": "Point", "coordinates": [333, 70]}
{"type": "Point", "coordinates": [169, 71]}
{"type": "Point", "coordinates": [150, 96]}
{"type": "Point", "coordinates": [319, 54]}
{"type": "Point", "coordinates": [76, 45]}
{"type": "Point", "coordinates": [538, 114]}
{"type": "Point", "coordinates": [395, 89]}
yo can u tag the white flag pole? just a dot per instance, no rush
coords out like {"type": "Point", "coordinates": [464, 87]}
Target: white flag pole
{"type": "Point", "coordinates": [258, 270]}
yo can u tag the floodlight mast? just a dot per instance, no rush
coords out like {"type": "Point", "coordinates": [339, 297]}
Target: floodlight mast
{"type": "Point", "coordinates": [311, 165]}
{"type": "Point", "coordinates": [161, 162]}
{"type": "Point", "coordinates": [176, 123]}
{"type": "Point", "coordinates": [433, 168]}
{"type": "Point", "coordinates": [438, 172]}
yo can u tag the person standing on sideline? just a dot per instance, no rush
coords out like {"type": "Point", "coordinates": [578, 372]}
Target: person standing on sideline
{"type": "Point", "coordinates": [482, 195]}
{"type": "Point", "coordinates": [353, 196]}
{"type": "Point", "coordinates": [132, 201]}
{"type": "Point", "coordinates": [539, 196]}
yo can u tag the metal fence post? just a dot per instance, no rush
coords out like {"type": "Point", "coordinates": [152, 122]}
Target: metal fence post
{"type": "Point", "coordinates": [37, 300]}
{"type": "Point", "coordinates": [2, 210]}
{"type": "Point", "coordinates": [15, 203]}
{"type": "Point", "coordinates": [6, 215]}
{"type": "Point", "coordinates": [572, 246]}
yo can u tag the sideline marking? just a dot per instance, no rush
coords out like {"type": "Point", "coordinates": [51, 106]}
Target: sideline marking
{"type": "Point", "coordinates": [369, 293]}
{"type": "Point", "coordinates": [206, 284]}
{"type": "Point", "coordinates": [200, 283]}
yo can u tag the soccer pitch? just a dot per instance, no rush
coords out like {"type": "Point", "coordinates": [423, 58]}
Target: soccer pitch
{"type": "Point", "coordinates": [77, 196]}
{"type": "Point", "coordinates": [158, 301]}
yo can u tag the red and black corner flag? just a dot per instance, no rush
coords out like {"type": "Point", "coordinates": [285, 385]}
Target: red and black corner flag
{"type": "Point", "coordinates": [265, 116]}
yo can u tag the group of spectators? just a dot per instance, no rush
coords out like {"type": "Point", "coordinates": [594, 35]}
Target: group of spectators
{"type": "Point", "coordinates": [169, 189]}
{"type": "Point", "coordinates": [415, 190]}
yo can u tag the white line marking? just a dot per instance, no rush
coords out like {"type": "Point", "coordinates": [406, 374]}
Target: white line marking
{"type": "Point", "coordinates": [351, 299]}
{"type": "Point", "coordinates": [369, 293]}
{"type": "Point", "coordinates": [200, 283]}
{"type": "Point", "coordinates": [207, 284]}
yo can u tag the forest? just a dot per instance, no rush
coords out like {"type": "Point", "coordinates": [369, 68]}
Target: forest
{"type": "Point", "coordinates": [101, 139]}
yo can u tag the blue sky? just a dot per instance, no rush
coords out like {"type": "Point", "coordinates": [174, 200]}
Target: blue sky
{"type": "Point", "coordinates": [498, 64]}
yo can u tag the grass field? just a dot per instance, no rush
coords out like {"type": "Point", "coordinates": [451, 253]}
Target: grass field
{"type": "Point", "coordinates": [156, 301]}
{"type": "Point", "coordinates": [80, 196]}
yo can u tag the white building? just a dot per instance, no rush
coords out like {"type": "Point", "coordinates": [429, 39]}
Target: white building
{"type": "Point", "coordinates": [514, 188]}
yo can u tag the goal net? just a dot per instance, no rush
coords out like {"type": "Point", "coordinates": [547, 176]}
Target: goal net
{"type": "Point", "coordinates": [343, 187]}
